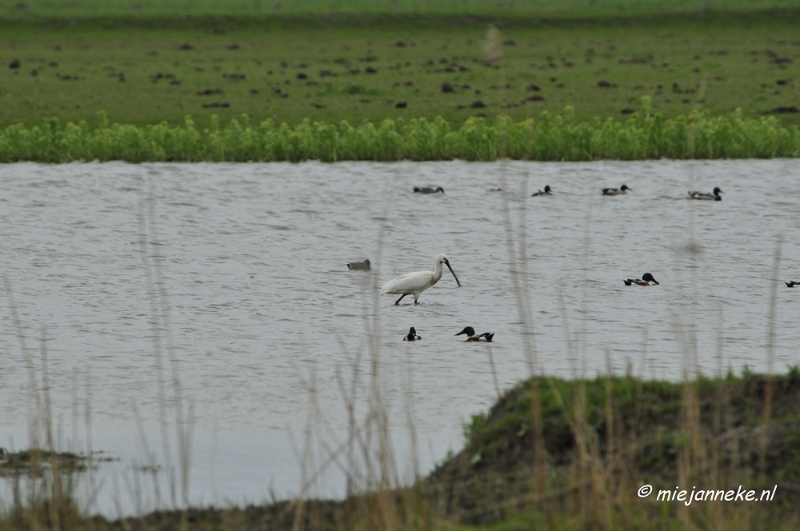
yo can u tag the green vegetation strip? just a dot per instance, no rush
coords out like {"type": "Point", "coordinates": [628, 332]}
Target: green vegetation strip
{"type": "Point", "coordinates": [547, 138]}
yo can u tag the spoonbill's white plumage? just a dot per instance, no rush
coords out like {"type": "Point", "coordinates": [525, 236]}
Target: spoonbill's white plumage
{"type": "Point", "coordinates": [418, 281]}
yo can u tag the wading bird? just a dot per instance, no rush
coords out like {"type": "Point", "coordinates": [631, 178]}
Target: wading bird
{"type": "Point", "coordinates": [547, 191]}
{"type": "Point", "coordinates": [616, 191]}
{"type": "Point", "coordinates": [358, 266]}
{"type": "Point", "coordinates": [412, 335]}
{"type": "Point", "coordinates": [428, 189]}
{"type": "Point", "coordinates": [470, 332]}
{"type": "Point", "coordinates": [694, 194]}
{"type": "Point", "coordinates": [418, 281]}
{"type": "Point", "coordinates": [646, 280]}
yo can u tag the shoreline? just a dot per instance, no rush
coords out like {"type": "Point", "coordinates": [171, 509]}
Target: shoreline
{"type": "Point", "coordinates": [603, 438]}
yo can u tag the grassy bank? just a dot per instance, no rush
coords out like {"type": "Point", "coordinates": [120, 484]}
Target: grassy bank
{"type": "Point", "coordinates": [643, 135]}
{"type": "Point", "coordinates": [358, 66]}
{"type": "Point", "coordinates": [602, 439]}
{"type": "Point", "coordinates": [599, 440]}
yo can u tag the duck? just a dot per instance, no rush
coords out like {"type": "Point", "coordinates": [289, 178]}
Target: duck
{"type": "Point", "coordinates": [470, 332]}
{"type": "Point", "coordinates": [616, 191]}
{"type": "Point", "coordinates": [359, 266]}
{"type": "Point", "coordinates": [694, 194]}
{"type": "Point", "coordinates": [412, 335]}
{"type": "Point", "coordinates": [646, 280]}
{"type": "Point", "coordinates": [547, 191]}
{"type": "Point", "coordinates": [428, 189]}
{"type": "Point", "coordinates": [792, 284]}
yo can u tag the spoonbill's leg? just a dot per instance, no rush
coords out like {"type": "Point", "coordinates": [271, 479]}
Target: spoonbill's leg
{"type": "Point", "coordinates": [401, 298]}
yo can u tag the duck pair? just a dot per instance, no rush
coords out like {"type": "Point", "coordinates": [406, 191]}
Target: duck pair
{"type": "Point", "coordinates": [435, 189]}
{"type": "Point", "coordinates": [469, 331]}
{"type": "Point", "coordinates": [648, 280]}
{"type": "Point", "coordinates": [693, 194]}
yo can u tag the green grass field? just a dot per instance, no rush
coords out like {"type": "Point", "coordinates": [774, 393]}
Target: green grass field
{"type": "Point", "coordinates": [299, 64]}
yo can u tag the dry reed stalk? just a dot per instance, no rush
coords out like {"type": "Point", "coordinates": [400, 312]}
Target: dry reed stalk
{"type": "Point", "coordinates": [721, 402]}
{"type": "Point", "coordinates": [378, 506]}
{"type": "Point", "coordinates": [161, 326]}
{"type": "Point", "coordinates": [772, 321]}
{"type": "Point", "coordinates": [518, 269]}
{"type": "Point", "coordinates": [144, 254]}
{"type": "Point", "coordinates": [183, 430]}
{"type": "Point", "coordinates": [150, 458]}
{"type": "Point", "coordinates": [34, 425]}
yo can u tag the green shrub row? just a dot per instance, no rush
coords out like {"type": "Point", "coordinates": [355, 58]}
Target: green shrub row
{"type": "Point", "coordinates": [549, 137]}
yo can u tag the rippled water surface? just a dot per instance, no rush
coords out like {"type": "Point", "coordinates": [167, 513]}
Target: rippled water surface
{"type": "Point", "coordinates": [267, 319]}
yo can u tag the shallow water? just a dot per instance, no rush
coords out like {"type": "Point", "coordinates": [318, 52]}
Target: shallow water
{"type": "Point", "coordinates": [264, 313]}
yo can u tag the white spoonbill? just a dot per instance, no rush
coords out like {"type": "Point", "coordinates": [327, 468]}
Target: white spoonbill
{"type": "Point", "coordinates": [418, 281]}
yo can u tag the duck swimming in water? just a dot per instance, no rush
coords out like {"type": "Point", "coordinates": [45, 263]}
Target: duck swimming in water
{"type": "Point", "coordinates": [428, 189]}
{"type": "Point", "coordinates": [358, 266]}
{"type": "Point", "coordinates": [470, 332]}
{"type": "Point", "coordinates": [412, 335]}
{"type": "Point", "coordinates": [792, 284]}
{"type": "Point", "coordinates": [646, 280]}
{"type": "Point", "coordinates": [547, 191]}
{"type": "Point", "coordinates": [616, 191]}
{"type": "Point", "coordinates": [694, 194]}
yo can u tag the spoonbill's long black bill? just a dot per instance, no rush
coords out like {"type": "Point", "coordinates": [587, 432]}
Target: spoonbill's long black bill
{"type": "Point", "coordinates": [454, 273]}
